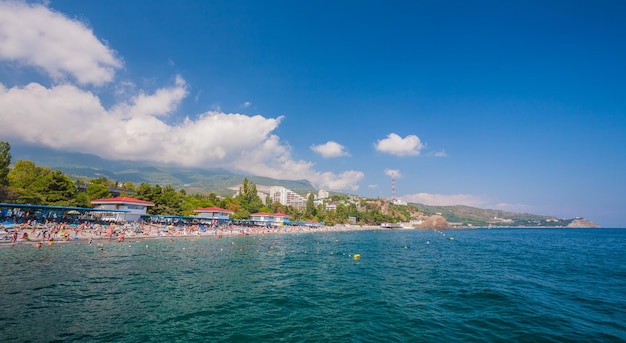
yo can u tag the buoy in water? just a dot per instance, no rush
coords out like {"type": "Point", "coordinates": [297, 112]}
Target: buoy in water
{"type": "Point", "coordinates": [451, 238]}
{"type": "Point", "coordinates": [357, 256]}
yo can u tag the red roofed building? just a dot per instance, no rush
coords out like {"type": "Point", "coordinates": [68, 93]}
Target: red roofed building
{"type": "Point", "coordinates": [273, 219]}
{"type": "Point", "coordinates": [218, 215]}
{"type": "Point", "coordinates": [128, 209]}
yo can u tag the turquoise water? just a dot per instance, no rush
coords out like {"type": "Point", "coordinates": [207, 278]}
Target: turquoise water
{"type": "Point", "coordinates": [523, 285]}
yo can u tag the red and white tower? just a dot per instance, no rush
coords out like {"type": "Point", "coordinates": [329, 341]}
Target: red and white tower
{"type": "Point", "coordinates": [393, 186]}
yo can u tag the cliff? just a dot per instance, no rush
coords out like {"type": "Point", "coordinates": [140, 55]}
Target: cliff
{"type": "Point", "coordinates": [434, 222]}
{"type": "Point", "coordinates": [582, 223]}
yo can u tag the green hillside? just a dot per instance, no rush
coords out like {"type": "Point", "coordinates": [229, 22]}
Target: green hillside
{"type": "Point", "coordinates": [466, 215]}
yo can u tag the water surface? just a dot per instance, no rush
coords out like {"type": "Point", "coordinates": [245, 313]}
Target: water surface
{"type": "Point", "coordinates": [525, 285]}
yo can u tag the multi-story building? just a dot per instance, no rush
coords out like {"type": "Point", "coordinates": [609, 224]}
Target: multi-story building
{"type": "Point", "coordinates": [287, 197]}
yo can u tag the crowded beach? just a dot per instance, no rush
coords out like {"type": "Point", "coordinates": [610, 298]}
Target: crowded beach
{"type": "Point", "coordinates": [39, 234]}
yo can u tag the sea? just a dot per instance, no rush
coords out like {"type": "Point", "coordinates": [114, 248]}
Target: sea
{"type": "Point", "coordinates": [478, 285]}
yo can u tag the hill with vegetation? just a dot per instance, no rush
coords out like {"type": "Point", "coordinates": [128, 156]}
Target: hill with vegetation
{"type": "Point", "coordinates": [477, 217]}
{"type": "Point", "coordinates": [193, 180]}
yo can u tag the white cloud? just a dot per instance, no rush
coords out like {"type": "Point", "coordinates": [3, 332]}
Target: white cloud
{"type": "Point", "coordinates": [246, 104]}
{"type": "Point", "coordinates": [392, 173]}
{"type": "Point", "coordinates": [396, 145]}
{"type": "Point", "coordinates": [75, 120]}
{"type": "Point", "coordinates": [68, 117]}
{"type": "Point", "coordinates": [441, 153]}
{"type": "Point", "coordinates": [273, 159]}
{"type": "Point", "coordinates": [163, 102]}
{"type": "Point", "coordinates": [445, 199]}
{"type": "Point", "coordinates": [330, 149]}
{"type": "Point", "coordinates": [34, 35]}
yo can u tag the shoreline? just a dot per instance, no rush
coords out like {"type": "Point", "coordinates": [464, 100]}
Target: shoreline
{"type": "Point", "coordinates": [30, 235]}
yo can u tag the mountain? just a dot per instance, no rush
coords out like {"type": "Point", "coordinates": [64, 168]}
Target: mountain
{"type": "Point", "coordinates": [477, 217]}
{"type": "Point", "coordinates": [193, 180]}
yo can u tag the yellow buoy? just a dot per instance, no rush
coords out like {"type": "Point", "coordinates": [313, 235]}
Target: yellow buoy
{"type": "Point", "coordinates": [357, 256]}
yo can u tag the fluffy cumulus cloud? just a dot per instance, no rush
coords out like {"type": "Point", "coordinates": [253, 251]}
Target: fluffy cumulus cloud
{"type": "Point", "coordinates": [330, 149]}
{"type": "Point", "coordinates": [445, 199]}
{"type": "Point", "coordinates": [66, 116]}
{"type": "Point", "coordinates": [274, 159]}
{"type": "Point", "coordinates": [34, 35]}
{"type": "Point", "coordinates": [396, 145]}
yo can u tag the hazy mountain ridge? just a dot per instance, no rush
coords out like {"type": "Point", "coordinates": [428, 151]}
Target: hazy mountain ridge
{"type": "Point", "coordinates": [193, 180]}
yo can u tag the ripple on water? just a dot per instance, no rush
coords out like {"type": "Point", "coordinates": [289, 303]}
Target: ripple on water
{"type": "Point", "coordinates": [486, 285]}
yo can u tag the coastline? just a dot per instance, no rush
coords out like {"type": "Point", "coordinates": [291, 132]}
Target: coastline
{"type": "Point", "coordinates": [64, 234]}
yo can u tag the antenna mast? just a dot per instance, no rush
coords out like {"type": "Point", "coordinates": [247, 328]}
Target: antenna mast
{"type": "Point", "coordinates": [393, 186]}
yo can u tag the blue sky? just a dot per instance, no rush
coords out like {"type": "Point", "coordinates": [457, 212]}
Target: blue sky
{"type": "Point", "coordinates": [512, 105]}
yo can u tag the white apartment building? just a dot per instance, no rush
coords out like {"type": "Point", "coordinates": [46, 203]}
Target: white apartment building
{"type": "Point", "coordinates": [287, 197]}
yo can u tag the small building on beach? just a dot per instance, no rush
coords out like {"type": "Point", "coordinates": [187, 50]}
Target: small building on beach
{"type": "Point", "coordinates": [131, 209]}
{"type": "Point", "coordinates": [215, 214]}
{"type": "Point", "coordinates": [269, 219]}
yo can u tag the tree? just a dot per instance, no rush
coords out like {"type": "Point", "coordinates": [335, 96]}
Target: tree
{"type": "Point", "coordinates": [129, 186]}
{"type": "Point", "coordinates": [97, 191]}
{"type": "Point", "coordinates": [23, 174]}
{"type": "Point", "coordinates": [82, 200]}
{"type": "Point", "coordinates": [214, 199]}
{"type": "Point", "coordinates": [192, 202]}
{"type": "Point", "coordinates": [28, 182]}
{"type": "Point", "coordinates": [144, 191]}
{"type": "Point", "coordinates": [310, 206]}
{"type": "Point", "coordinates": [169, 201]}
{"type": "Point", "coordinates": [59, 189]}
{"type": "Point", "coordinates": [5, 162]}
{"type": "Point", "coordinates": [248, 197]}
